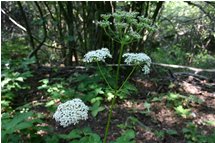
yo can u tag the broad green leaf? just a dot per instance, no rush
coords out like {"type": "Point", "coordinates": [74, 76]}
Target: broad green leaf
{"type": "Point", "coordinates": [96, 108]}
{"type": "Point", "coordinates": [94, 138]}
{"type": "Point", "coordinates": [127, 137]}
{"type": "Point", "coordinates": [17, 119]}
{"type": "Point", "coordinates": [96, 111]}
{"type": "Point", "coordinates": [76, 133]}
{"type": "Point", "coordinates": [23, 125]}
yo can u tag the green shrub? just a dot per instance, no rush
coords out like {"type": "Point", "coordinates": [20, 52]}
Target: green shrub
{"type": "Point", "coordinates": [170, 55]}
{"type": "Point", "coordinates": [204, 60]}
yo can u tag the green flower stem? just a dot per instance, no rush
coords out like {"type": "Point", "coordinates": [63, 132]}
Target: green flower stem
{"type": "Point", "coordinates": [109, 118]}
{"type": "Point", "coordinates": [114, 99]}
{"type": "Point", "coordinates": [110, 35]}
{"type": "Point", "coordinates": [127, 78]}
{"type": "Point", "coordinates": [103, 75]}
{"type": "Point", "coordinates": [118, 67]}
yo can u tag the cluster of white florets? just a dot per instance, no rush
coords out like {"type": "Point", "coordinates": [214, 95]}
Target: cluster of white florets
{"type": "Point", "coordinates": [71, 112]}
{"type": "Point", "coordinates": [97, 55]}
{"type": "Point", "coordinates": [138, 59]}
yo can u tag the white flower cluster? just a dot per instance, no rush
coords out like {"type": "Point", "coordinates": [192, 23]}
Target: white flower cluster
{"type": "Point", "coordinates": [138, 59]}
{"type": "Point", "coordinates": [71, 112]}
{"type": "Point", "coordinates": [97, 55]}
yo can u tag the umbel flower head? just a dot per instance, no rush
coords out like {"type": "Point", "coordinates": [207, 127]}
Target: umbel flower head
{"type": "Point", "coordinates": [138, 59]}
{"type": "Point", "coordinates": [97, 55]}
{"type": "Point", "coordinates": [71, 112]}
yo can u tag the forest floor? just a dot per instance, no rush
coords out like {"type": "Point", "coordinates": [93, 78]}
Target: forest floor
{"type": "Point", "coordinates": [151, 113]}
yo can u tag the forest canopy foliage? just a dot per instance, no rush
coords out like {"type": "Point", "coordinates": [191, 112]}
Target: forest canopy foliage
{"type": "Point", "coordinates": [61, 32]}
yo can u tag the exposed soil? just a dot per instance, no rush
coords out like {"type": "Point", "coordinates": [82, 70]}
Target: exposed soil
{"type": "Point", "coordinates": [161, 116]}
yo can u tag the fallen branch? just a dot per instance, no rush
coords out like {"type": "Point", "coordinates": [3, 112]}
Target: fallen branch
{"type": "Point", "coordinates": [196, 70]}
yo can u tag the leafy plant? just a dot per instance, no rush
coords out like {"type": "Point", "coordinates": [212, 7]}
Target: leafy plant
{"type": "Point", "coordinates": [127, 137]}
{"type": "Point", "coordinates": [13, 81]}
{"type": "Point", "coordinates": [182, 111]}
{"type": "Point", "coordinates": [192, 135]}
{"type": "Point", "coordinates": [55, 90]}
{"type": "Point", "coordinates": [147, 106]}
{"type": "Point", "coordinates": [84, 135]}
{"type": "Point", "coordinates": [175, 99]}
{"type": "Point", "coordinates": [16, 128]}
{"type": "Point", "coordinates": [125, 29]}
{"type": "Point", "coordinates": [204, 60]}
{"type": "Point", "coordinates": [96, 108]}
{"type": "Point", "coordinates": [160, 134]}
{"type": "Point", "coordinates": [170, 55]}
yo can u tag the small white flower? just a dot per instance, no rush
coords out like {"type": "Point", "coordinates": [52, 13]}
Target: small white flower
{"type": "Point", "coordinates": [97, 55]}
{"type": "Point", "coordinates": [146, 69]}
{"type": "Point", "coordinates": [71, 112]}
{"type": "Point", "coordinates": [138, 59]}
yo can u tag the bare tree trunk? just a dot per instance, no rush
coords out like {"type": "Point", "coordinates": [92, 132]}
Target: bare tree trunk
{"type": "Point", "coordinates": [34, 52]}
{"type": "Point", "coordinates": [28, 29]}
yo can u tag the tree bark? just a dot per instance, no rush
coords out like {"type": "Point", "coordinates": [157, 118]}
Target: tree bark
{"type": "Point", "coordinates": [157, 10]}
{"type": "Point", "coordinates": [34, 52]}
{"type": "Point", "coordinates": [28, 29]}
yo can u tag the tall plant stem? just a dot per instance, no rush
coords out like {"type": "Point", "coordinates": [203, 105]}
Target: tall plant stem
{"type": "Point", "coordinates": [103, 75]}
{"type": "Point", "coordinates": [118, 67]}
{"type": "Point", "coordinates": [114, 99]}
{"type": "Point", "coordinates": [127, 78]}
{"type": "Point", "coordinates": [109, 118]}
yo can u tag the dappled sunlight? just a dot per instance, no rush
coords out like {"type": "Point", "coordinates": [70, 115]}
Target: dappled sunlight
{"type": "Point", "coordinates": [190, 88]}
{"type": "Point", "coordinates": [167, 117]}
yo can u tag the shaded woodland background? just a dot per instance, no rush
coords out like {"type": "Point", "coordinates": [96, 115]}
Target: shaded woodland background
{"type": "Point", "coordinates": [61, 32]}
